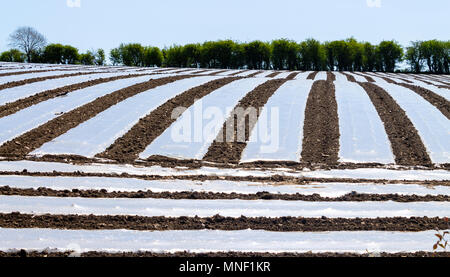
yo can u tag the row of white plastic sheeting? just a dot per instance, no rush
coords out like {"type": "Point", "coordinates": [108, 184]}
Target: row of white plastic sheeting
{"type": "Point", "coordinates": [29, 118]}
{"type": "Point", "coordinates": [228, 208]}
{"type": "Point", "coordinates": [111, 184]}
{"type": "Point", "coordinates": [432, 126]}
{"type": "Point", "coordinates": [278, 133]}
{"type": "Point", "coordinates": [362, 134]}
{"type": "Point", "coordinates": [201, 241]}
{"type": "Point", "coordinates": [360, 173]}
{"type": "Point", "coordinates": [96, 134]}
{"type": "Point", "coordinates": [21, 77]}
{"type": "Point", "coordinates": [193, 132]}
{"type": "Point", "coordinates": [19, 92]}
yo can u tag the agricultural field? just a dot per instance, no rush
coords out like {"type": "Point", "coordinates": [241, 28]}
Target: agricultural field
{"type": "Point", "coordinates": [94, 161]}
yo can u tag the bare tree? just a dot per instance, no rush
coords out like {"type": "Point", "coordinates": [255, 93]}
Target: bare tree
{"type": "Point", "coordinates": [28, 40]}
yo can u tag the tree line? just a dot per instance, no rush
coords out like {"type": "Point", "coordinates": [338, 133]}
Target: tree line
{"type": "Point", "coordinates": [31, 46]}
{"type": "Point", "coordinates": [56, 53]}
{"type": "Point", "coordinates": [281, 54]}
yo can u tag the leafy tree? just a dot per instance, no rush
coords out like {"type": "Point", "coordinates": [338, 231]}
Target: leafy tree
{"type": "Point", "coordinates": [12, 55]}
{"type": "Point", "coordinates": [414, 56]}
{"type": "Point", "coordinates": [115, 56]}
{"type": "Point", "coordinates": [70, 55]}
{"type": "Point", "coordinates": [389, 53]}
{"type": "Point", "coordinates": [356, 51]}
{"type": "Point", "coordinates": [53, 53]}
{"type": "Point", "coordinates": [99, 57]}
{"type": "Point", "coordinates": [87, 58]}
{"type": "Point", "coordinates": [191, 54]}
{"type": "Point", "coordinates": [152, 57]}
{"type": "Point", "coordinates": [312, 55]}
{"type": "Point", "coordinates": [28, 40]}
{"type": "Point", "coordinates": [257, 55]}
{"type": "Point", "coordinates": [436, 55]}
{"type": "Point", "coordinates": [60, 54]}
{"type": "Point", "coordinates": [132, 54]}
{"type": "Point", "coordinates": [174, 56]}
{"type": "Point", "coordinates": [369, 57]}
{"type": "Point", "coordinates": [284, 54]}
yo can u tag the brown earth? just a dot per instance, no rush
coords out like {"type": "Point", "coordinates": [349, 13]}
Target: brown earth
{"type": "Point", "coordinates": [35, 138]}
{"type": "Point", "coordinates": [203, 71]}
{"type": "Point", "coordinates": [439, 80]}
{"type": "Point", "coordinates": [271, 75]}
{"type": "Point", "coordinates": [271, 180]}
{"type": "Point", "coordinates": [330, 77]}
{"type": "Point", "coordinates": [238, 72]}
{"type": "Point", "coordinates": [292, 75]}
{"type": "Point", "coordinates": [128, 147]}
{"type": "Point", "coordinates": [353, 196]}
{"type": "Point", "coordinates": [321, 125]}
{"type": "Point", "coordinates": [368, 78]}
{"type": "Point", "coordinates": [406, 144]}
{"type": "Point", "coordinates": [39, 79]}
{"type": "Point", "coordinates": [35, 254]}
{"type": "Point", "coordinates": [183, 70]}
{"type": "Point", "coordinates": [226, 149]}
{"type": "Point", "coordinates": [350, 78]}
{"type": "Point", "coordinates": [217, 72]}
{"type": "Point", "coordinates": [193, 163]}
{"type": "Point", "coordinates": [254, 74]}
{"type": "Point", "coordinates": [312, 75]}
{"type": "Point", "coordinates": [163, 70]}
{"type": "Point", "coordinates": [23, 103]}
{"type": "Point", "coordinates": [444, 84]}
{"type": "Point", "coordinates": [436, 100]}
{"type": "Point", "coordinates": [217, 222]}
{"type": "Point", "coordinates": [29, 71]}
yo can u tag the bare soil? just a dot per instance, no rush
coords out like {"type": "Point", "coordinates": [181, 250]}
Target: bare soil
{"type": "Point", "coordinates": [35, 138]}
{"type": "Point", "coordinates": [321, 125]}
{"type": "Point", "coordinates": [312, 75]}
{"type": "Point", "coordinates": [13, 107]}
{"type": "Point", "coordinates": [353, 196]}
{"type": "Point", "coordinates": [436, 100]}
{"type": "Point", "coordinates": [35, 254]}
{"type": "Point", "coordinates": [217, 222]}
{"type": "Point", "coordinates": [406, 143]}
{"type": "Point", "coordinates": [229, 150]}
{"type": "Point", "coordinates": [274, 179]}
{"type": "Point", "coordinates": [39, 79]}
{"type": "Point", "coordinates": [128, 147]}
{"type": "Point", "coordinates": [271, 75]}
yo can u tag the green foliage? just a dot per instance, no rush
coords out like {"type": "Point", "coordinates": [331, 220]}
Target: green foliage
{"type": "Point", "coordinates": [436, 55]}
{"type": "Point", "coordinates": [312, 55]}
{"type": "Point", "coordinates": [152, 57]}
{"type": "Point", "coordinates": [281, 54]}
{"type": "Point", "coordinates": [100, 57]}
{"type": "Point", "coordinates": [87, 58]}
{"type": "Point", "coordinates": [284, 54]}
{"type": "Point", "coordinates": [257, 55]}
{"type": "Point", "coordinates": [132, 54]}
{"type": "Point", "coordinates": [60, 54]}
{"type": "Point", "coordinates": [389, 53]}
{"type": "Point", "coordinates": [369, 58]}
{"type": "Point", "coordinates": [115, 56]}
{"type": "Point", "coordinates": [13, 55]}
{"type": "Point", "coordinates": [174, 56]}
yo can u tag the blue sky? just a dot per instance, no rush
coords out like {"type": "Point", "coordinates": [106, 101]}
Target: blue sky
{"type": "Point", "coordinates": [107, 23]}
